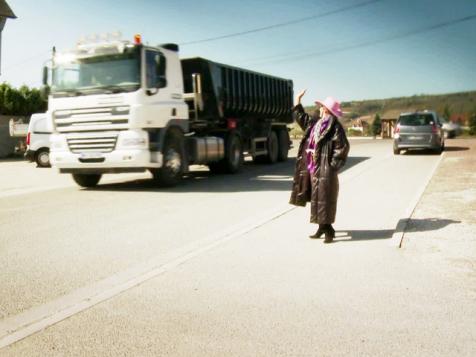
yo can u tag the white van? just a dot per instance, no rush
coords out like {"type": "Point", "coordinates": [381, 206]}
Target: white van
{"type": "Point", "coordinates": [38, 140]}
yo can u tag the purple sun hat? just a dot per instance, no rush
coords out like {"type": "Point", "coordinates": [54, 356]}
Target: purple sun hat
{"type": "Point", "coordinates": [332, 105]}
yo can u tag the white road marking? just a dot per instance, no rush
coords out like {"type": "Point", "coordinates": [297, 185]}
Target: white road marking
{"type": "Point", "coordinates": [397, 237]}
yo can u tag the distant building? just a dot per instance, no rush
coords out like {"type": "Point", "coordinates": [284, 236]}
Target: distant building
{"type": "Point", "coordinates": [389, 121]}
{"type": "Point", "coordinates": [5, 12]}
{"type": "Point", "coordinates": [361, 123]}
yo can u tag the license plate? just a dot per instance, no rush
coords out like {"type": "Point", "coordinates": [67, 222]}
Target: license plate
{"type": "Point", "coordinates": [415, 137]}
{"type": "Point", "coordinates": [91, 155]}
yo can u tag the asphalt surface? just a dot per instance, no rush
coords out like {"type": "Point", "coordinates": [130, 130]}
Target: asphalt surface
{"type": "Point", "coordinates": [442, 231]}
{"type": "Point", "coordinates": [221, 265]}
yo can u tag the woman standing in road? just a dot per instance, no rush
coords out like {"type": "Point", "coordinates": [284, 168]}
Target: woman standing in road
{"type": "Point", "coordinates": [322, 153]}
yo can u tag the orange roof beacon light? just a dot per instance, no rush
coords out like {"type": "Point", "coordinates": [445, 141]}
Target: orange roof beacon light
{"type": "Point", "coordinates": [137, 39]}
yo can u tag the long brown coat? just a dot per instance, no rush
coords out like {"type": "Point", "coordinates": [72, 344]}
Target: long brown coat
{"type": "Point", "coordinates": [322, 188]}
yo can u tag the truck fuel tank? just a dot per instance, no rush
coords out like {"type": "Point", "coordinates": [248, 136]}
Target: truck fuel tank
{"type": "Point", "coordinates": [206, 149]}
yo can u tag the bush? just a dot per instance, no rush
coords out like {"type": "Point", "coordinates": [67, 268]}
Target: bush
{"type": "Point", "coordinates": [376, 127]}
{"type": "Point", "coordinates": [472, 124]}
{"type": "Point", "coordinates": [354, 132]}
{"type": "Point", "coordinates": [23, 101]}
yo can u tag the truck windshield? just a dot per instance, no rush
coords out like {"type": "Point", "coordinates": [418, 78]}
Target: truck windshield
{"type": "Point", "coordinates": [112, 73]}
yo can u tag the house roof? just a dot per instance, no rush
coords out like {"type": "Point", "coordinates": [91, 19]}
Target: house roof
{"type": "Point", "coordinates": [391, 114]}
{"type": "Point", "coordinates": [5, 10]}
{"type": "Point", "coordinates": [365, 118]}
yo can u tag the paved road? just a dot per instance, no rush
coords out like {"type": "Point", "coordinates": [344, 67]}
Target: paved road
{"type": "Point", "coordinates": [218, 266]}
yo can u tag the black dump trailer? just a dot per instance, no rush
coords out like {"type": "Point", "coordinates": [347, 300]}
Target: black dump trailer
{"type": "Point", "coordinates": [240, 105]}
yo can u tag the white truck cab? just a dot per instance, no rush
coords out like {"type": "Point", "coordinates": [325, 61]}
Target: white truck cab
{"type": "Point", "coordinates": [38, 140]}
{"type": "Point", "coordinates": [108, 105]}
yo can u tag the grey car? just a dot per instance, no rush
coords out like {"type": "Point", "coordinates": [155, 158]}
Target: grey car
{"type": "Point", "coordinates": [418, 130]}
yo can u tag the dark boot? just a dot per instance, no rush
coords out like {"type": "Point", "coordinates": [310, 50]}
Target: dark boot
{"type": "Point", "coordinates": [330, 234]}
{"type": "Point", "coordinates": [321, 230]}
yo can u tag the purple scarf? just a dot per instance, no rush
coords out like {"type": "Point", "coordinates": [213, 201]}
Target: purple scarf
{"type": "Point", "coordinates": [316, 133]}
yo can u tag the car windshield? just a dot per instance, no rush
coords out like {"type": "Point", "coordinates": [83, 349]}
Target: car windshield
{"type": "Point", "coordinates": [112, 73]}
{"type": "Point", "coordinates": [416, 119]}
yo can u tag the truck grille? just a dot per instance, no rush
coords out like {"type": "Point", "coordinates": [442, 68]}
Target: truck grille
{"type": "Point", "coordinates": [91, 119]}
{"type": "Point", "coordinates": [100, 143]}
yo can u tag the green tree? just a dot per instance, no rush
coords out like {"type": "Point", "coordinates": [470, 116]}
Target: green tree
{"type": "Point", "coordinates": [472, 123]}
{"type": "Point", "coordinates": [447, 112]}
{"type": "Point", "coordinates": [376, 125]}
{"type": "Point", "coordinates": [23, 101]}
{"type": "Point", "coordinates": [3, 88]}
{"type": "Point", "coordinates": [37, 104]}
{"type": "Point", "coordinates": [8, 101]}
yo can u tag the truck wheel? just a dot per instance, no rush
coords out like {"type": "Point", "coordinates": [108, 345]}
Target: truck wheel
{"type": "Point", "coordinates": [233, 156]}
{"type": "Point", "coordinates": [85, 180]}
{"type": "Point", "coordinates": [283, 147]}
{"type": "Point", "coordinates": [173, 155]}
{"type": "Point", "coordinates": [272, 146]}
{"type": "Point", "coordinates": [43, 158]}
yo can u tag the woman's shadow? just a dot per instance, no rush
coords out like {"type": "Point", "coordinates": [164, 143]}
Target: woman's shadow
{"type": "Point", "coordinates": [414, 225]}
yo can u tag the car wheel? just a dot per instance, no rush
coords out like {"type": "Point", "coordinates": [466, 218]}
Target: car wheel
{"type": "Point", "coordinates": [396, 151]}
{"type": "Point", "coordinates": [43, 158]}
{"type": "Point", "coordinates": [85, 180]}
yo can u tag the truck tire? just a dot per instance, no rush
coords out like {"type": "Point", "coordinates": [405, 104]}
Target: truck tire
{"type": "Point", "coordinates": [272, 146]}
{"type": "Point", "coordinates": [233, 156]}
{"type": "Point", "coordinates": [85, 180]}
{"type": "Point", "coordinates": [42, 158]}
{"type": "Point", "coordinates": [173, 160]}
{"type": "Point", "coordinates": [283, 144]}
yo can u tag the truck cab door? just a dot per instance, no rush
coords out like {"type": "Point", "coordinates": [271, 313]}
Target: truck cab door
{"type": "Point", "coordinates": [155, 71]}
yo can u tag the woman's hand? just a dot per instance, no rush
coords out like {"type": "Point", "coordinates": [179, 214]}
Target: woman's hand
{"type": "Point", "coordinates": [299, 96]}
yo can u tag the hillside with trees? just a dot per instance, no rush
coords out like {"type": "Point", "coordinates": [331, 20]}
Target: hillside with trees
{"type": "Point", "coordinates": [455, 106]}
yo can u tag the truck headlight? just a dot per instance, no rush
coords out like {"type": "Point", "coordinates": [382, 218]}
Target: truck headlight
{"type": "Point", "coordinates": [134, 142]}
{"type": "Point", "coordinates": [133, 139]}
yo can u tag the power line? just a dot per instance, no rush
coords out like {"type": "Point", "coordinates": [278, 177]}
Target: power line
{"type": "Point", "coordinates": [285, 58]}
{"type": "Point", "coordinates": [282, 24]}
{"type": "Point", "coordinates": [28, 59]}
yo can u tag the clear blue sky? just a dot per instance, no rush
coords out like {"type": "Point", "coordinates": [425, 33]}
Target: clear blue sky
{"type": "Point", "coordinates": [316, 54]}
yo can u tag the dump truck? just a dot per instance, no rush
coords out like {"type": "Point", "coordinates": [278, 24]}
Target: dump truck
{"type": "Point", "coordinates": [123, 106]}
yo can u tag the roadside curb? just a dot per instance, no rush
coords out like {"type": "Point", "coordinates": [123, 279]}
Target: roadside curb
{"type": "Point", "coordinates": [399, 233]}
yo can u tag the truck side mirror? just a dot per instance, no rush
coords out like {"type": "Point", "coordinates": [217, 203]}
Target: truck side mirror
{"type": "Point", "coordinates": [45, 75]}
{"type": "Point", "coordinates": [45, 92]}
